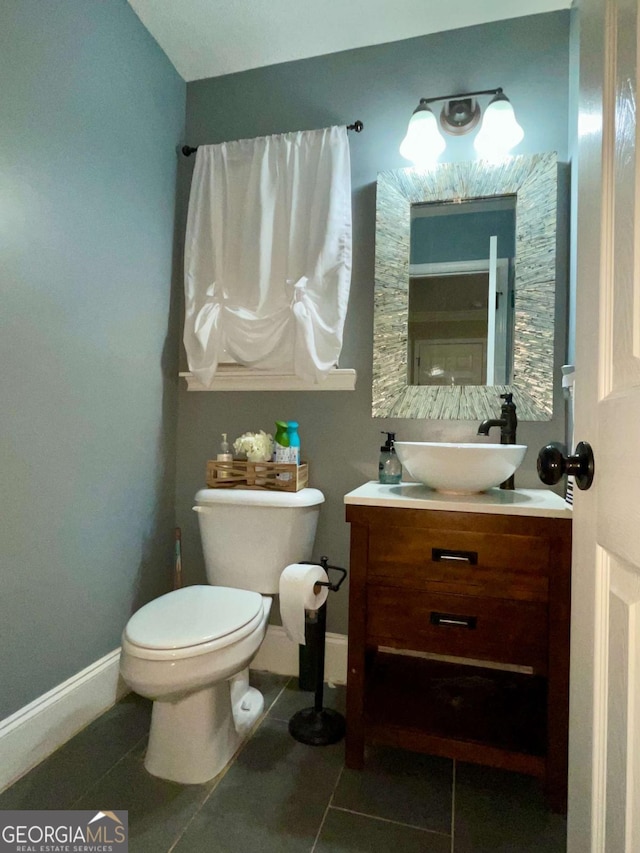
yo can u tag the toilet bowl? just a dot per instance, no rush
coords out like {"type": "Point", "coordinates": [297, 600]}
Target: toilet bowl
{"type": "Point", "coordinates": [189, 650]}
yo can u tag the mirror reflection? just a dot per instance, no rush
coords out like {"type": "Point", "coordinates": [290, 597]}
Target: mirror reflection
{"type": "Point", "coordinates": [461, 297]}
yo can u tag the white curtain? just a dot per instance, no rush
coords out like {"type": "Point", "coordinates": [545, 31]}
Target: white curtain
{"type": "Point", "coordinates": [268, 254]}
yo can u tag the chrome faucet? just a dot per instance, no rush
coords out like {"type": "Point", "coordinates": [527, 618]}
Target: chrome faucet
{"type": "Point", "coordinates": [508, 424]}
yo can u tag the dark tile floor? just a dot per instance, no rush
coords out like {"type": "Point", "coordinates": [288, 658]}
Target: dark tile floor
{"type": "Point", "coordinates": [279, 796]}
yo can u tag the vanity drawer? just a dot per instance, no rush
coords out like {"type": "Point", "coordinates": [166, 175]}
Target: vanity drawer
{"type": "Point", "coordinates": [464, 626]}
{"type": "Point", "coordinates": [412, 547]}
{"type": "Point", "coordinates": [483, 563]}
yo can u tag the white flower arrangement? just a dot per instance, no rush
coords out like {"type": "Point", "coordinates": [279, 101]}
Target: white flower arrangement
{"type": "Point", "coordinates": [257, 446]}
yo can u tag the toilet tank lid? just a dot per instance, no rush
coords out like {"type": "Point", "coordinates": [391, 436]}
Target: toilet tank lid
{"type": "Point", "coordinates": [259, 497]}
{"type": "Point", "coordinates": [191, 616]}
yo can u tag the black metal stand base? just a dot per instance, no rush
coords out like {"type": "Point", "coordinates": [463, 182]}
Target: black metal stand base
{"type": "Point", "coordinates": [317, 728]}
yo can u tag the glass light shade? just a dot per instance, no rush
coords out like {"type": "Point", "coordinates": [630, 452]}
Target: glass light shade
{"type": "Point", "coordinates": [500, 132]}
{"type": "Point", "coordinates": [423, 143]}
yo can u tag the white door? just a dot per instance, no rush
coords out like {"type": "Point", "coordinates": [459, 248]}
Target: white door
{"type": "Point", "coordinates": [489, 281]}
{"type": "Point", "coordinates": [604, 751]}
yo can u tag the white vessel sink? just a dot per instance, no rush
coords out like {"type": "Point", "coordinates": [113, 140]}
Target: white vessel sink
{"type": "Point", "coordinates": [460, 469]}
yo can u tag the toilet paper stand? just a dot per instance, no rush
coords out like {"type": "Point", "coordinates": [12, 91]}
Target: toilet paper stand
{"type": "Point", "coordinates": [318, 726]}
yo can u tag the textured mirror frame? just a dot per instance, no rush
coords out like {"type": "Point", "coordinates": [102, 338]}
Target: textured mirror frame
{"type": "Point", "coordinates": [534, 181]}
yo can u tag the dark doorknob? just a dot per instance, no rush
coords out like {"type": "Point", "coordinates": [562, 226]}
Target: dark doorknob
{"type": "Point", "coordinates": [553, 464]}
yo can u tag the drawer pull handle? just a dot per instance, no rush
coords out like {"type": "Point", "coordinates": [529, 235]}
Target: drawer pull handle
{"type": "Point", "coordinates": [439, 555]}
{"type": "Point", "coordinates": [453, 619]}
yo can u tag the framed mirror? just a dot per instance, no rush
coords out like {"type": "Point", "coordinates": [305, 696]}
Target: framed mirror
{"type": "Point", "coordinates": [465, 289]}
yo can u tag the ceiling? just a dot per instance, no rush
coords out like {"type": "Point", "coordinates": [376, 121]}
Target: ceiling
{"type": "Point", "coordinates": [208, 38]}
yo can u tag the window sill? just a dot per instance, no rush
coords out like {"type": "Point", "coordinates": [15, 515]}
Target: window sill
{"type": "Point", "coordinates": [234, 378]}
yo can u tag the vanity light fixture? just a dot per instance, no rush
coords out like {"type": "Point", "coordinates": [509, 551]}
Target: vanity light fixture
{"type": "Point", "coordinates": [500, 132]}
{"type": "Point", "coordinates": [460, 114]}
{"type": "Point", "coordinates": [423, 142]}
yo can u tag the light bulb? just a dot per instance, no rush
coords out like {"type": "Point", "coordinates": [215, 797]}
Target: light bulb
{"type": "Point", "coordinates": [423, 143]}
{"type": "Point", "coordinates": [500, 132]}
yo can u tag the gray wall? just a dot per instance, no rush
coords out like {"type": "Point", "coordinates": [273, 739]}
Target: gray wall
{"type": "Point", "coordinates": [381, 85]}
{"type": "Point", "coordinates": [91, 112]}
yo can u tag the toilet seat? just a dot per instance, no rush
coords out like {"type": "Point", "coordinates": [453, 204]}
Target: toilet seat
{"type": "Point", "coordinates": [192, 621]}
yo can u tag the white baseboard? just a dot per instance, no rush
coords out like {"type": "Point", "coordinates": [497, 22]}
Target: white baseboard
{"type": "Point", "coordinates": [35, 731]}
{"type": "Point", "coordinates": [278, 654]}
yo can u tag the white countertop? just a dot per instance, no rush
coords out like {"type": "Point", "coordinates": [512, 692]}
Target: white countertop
{"type": "Point", "coordinates": [537, 502]}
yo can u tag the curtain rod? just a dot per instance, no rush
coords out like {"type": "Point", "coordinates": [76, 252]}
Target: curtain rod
{"type": "Point", "coordinates": [187, 150]}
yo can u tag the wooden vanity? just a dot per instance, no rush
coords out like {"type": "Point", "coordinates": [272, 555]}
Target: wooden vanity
{"type": "Point", "coordinates": [459, 627]}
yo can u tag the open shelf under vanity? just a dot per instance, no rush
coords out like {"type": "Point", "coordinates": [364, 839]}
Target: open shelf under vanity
{"type": "Point", "coordinates": [471, 713]}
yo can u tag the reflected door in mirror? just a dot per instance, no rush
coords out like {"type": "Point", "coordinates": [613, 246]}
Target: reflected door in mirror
{"type": "Point", "coordinates": [460, 318]}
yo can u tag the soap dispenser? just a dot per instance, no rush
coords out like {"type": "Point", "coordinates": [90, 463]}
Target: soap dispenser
{"type": "Point", "coordinates": [389, 467]}
{"type": "Point", "coordinates": [226, 458]}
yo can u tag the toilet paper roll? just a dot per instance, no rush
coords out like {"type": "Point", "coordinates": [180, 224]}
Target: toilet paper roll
{"type": "Point", "coordinates": [297, 595]}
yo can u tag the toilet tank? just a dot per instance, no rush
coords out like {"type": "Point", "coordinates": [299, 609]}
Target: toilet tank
{"type": "Point", "coordinates": [250, 536]}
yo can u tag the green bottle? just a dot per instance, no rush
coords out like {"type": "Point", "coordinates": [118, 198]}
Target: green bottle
{"type": "Point", "coordinates": [281, 443]}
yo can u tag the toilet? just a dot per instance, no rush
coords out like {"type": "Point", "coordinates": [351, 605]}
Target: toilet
{"type": "Point", "coordinates": [190, 649]}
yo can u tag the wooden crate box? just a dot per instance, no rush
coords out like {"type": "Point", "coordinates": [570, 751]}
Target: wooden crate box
{"type": "Point", "coordinates": [240, 474]}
